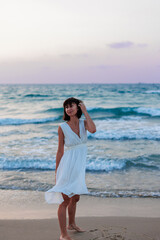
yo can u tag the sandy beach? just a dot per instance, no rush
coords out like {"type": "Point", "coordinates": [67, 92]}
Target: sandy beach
{"type": "Point", "coordinates": [26, 216]}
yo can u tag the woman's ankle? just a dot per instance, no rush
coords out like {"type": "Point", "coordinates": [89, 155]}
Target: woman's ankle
{"type": "Point", "coordinates": [73, 223]}
{"type": "Point", "coordinates": [64, 234]}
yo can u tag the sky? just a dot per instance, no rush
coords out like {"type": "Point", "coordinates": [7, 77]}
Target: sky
{"type": "Point", "coordinates": [85, 41]}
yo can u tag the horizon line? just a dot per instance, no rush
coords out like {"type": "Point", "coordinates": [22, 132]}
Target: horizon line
{"type": "Point", "coordinates": [72, 83]}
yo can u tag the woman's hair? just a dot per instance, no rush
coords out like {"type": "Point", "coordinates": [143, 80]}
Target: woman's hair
{"type": "Point", "coordinates": [69, 101]}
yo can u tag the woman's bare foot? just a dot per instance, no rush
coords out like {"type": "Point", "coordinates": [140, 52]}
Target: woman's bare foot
{"type": "Point", "coordinates": [74, 227]}
{"type": "Point", "coordinates": [65, 238]}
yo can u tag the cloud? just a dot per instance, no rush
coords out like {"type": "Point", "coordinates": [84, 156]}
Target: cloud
{"type": "Point", "coordinates": [141, 45]}
{"type": "Point", "coordinates": [83, 55]}
{"type": "Point", "coordinates": [126, 44]}
{"type": "Point", "coordinates": [104, 66]}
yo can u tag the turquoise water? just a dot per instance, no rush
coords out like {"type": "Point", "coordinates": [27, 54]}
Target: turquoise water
{"type": "Point", "coordinates": [123, 154]}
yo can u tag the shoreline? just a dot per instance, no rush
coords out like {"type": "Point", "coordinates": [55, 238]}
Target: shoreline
{"type": "Point", "coordinates": [16, 204]}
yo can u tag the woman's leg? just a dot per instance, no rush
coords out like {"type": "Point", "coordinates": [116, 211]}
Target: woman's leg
{"type": "Point", "coordinates": [62, 216]}
{"type": "Point", "coordinates": [72, 208]}
{"type": "Point", "coordinates": [72, 213]}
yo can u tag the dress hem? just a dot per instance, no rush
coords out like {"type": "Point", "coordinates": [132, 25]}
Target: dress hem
{"type": "Point", "coordinates": [56, 197]}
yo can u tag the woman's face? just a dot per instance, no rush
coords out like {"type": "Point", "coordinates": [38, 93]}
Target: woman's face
{"type": "Point", "coordinates": [71, 110]}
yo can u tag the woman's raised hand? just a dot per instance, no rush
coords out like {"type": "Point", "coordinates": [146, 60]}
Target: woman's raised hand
{"type": "Point", "coordinates": [82, 106]}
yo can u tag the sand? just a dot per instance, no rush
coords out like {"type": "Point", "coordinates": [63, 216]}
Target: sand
{"type": "Point", "coordinates": [26, 216]}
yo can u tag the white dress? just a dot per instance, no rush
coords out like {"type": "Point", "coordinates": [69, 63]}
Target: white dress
{"type": "Point", "coordinates": [70, 178]}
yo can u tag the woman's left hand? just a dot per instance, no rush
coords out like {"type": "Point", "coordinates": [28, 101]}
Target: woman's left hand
{"type": "Point", "coordinates": [82, 106]}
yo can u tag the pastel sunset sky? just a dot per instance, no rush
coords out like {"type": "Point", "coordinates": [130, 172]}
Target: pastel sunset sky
{"type": "Point", "coordinates": [85, 41]}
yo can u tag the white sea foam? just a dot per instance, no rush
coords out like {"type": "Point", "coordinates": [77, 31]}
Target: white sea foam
{"type": "Point", "coordinates": [153, 91]}
{"type": "Point", "coordinates": [113, 129]}
{"type": "Point", "coordinates": [125, 193]}
{"type": "Point", "coordinates": [105, 165]}
{"type": "Point", "coordinates": [20, 163]}
{"type": "Point", "coordinates": [16, 121]}
{"type": "Point", "coordinates": [150, 111]}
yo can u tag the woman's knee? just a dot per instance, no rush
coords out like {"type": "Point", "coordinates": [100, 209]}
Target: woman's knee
{"type": "Point", "coordinates": [75, 198]}
{"type": "Point", "coordinates": [66, 200]}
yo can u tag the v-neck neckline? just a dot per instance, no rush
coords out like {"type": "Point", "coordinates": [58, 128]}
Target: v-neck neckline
{"type": "Point", "coordinates": [74, 132]}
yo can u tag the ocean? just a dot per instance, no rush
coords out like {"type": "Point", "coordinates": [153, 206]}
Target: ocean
{"type": "Point", "coordinates": [123, 157]}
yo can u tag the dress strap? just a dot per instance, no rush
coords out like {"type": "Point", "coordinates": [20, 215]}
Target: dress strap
{"type": "Point", "coordinates": [63, 127]}
{"type": "Point", "coordinates": [82, 120]}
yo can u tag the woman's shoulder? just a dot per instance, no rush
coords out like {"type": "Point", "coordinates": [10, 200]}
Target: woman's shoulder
{"type": "Point", "coordinates": [62, 124]}
{"type": "Point", "coordinates": [61, 127]}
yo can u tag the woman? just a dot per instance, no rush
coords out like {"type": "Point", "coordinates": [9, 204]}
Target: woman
{"type": "Point", "coordinates": [70, 164]}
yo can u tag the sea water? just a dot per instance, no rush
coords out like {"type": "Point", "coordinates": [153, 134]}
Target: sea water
{"type": "Point", "coordinates": [123, 157]}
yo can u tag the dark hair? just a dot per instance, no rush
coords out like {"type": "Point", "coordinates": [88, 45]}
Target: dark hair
{"type": "Point", "coordinates": [69, 101]}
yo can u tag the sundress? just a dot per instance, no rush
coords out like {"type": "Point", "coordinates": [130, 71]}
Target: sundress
{"type": "Point", "coordinates": [70, 178]}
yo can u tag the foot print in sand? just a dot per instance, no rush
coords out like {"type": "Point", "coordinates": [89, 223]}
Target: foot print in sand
{"type": "Point", "coordinates": [108, 233]}
{"type": "Point", "coordinates": [116, 233]}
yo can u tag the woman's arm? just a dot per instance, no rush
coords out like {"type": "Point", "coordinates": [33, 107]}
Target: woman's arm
{"type": "Point", "coordinates": [89, 124]}
{"type": "Point", "coordinates": [60, 150]}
